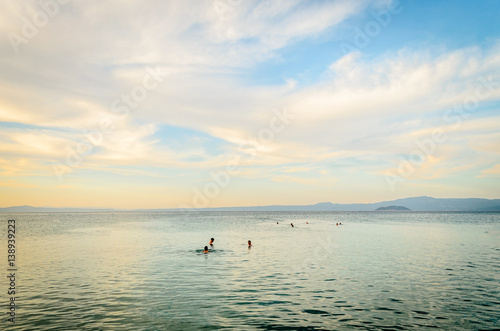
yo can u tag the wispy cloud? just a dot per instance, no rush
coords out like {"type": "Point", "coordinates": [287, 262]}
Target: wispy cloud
{"type": "Point", "coordinates": [362, 112]}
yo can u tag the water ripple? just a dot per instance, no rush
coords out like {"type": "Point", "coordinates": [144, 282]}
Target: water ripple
{"type": "Point", "coordinates": [144, 272]}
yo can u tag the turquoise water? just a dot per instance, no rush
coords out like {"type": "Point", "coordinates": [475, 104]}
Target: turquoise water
{"type": "Point", "coordinates": [144, 271]}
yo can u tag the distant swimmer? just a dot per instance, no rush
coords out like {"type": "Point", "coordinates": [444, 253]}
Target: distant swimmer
{"type": "Point", "coordinates": [212, 241]}
{"type": "Point", "coordinates": [291, 224]}
{"type": "Point", "coordinates": [337, 224]}
{"type": "Point", "coordinates": [249, 243]}
{"type": "Point", "coordinates": [307, 222]}
{"type": "Point", "coordinates": [206, 250]}
{"type": "Point", "coordinates": [340, 223]}
{"type": "Point", "coordinates": [277, 222]}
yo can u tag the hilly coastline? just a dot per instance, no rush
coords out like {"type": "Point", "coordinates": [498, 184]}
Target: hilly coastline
{"type": "Point", "coordinates": [414, 204]}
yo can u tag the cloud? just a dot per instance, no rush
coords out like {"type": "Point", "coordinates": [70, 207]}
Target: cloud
{"type": "Point", "coordinates": [492, 172]}
{"type": "Point", "coordinates": [359, 115]}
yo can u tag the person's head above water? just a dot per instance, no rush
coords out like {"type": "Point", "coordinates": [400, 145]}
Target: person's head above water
{"type": "Point", "coordinates": [212, 241]}
{"type": "Point", "coordinates": [249, 243]}
{"type": "Point", "coordinates": [206, 249]}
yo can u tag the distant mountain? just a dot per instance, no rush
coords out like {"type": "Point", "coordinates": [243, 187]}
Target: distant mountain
{"type": "Point", "coordinates": [393, 208]}
{"type": "Point", "coordinates": [414, 204]}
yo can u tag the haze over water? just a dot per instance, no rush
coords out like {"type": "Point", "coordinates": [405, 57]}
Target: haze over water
{"type": "Point", "coordinates": [145, 271]}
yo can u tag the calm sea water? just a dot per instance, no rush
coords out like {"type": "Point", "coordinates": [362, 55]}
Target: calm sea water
{"type": "Point", "coordinates": [145, 271]}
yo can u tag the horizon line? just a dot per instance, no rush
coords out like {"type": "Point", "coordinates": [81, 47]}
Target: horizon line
{"type": "Point", "coordinates": [250, 206]}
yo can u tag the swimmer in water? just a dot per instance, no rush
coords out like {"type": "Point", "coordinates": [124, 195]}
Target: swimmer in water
{"type": "Point", "coordinates": [249, 243]}
{"type": "Point", "coordinates": [212, 241]}
{"type": "Point", "coordinates": [206, 250]}
{"type": "Point", "coordinates": [337, 224]}
{"type": "Point", "coordinates": [291, 224]}
{"type": "Point", "coordinates": [307, 222]}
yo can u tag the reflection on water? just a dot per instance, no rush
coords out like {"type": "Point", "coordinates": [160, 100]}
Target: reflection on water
{"type": "Point", "coordinates": [147, 271]}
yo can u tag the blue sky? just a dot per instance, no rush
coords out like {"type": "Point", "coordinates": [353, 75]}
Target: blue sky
{"type": "Point", "coordinates": [430, 24]}
{"type": "Point", "coordinates": [166, 104]}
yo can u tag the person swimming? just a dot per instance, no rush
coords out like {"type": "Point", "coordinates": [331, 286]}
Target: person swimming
{"type": "Point", "coordinates": [206, 250]}
{"type": "Point", "coordinates": [249, 243]}
{"type": "Point", "coordinates": [291, 224]}
{"type": "Point", "coordinates": [212, 241]}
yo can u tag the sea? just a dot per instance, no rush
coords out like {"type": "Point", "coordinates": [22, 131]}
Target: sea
{"type": "Point", "coordinates": [147, 271]}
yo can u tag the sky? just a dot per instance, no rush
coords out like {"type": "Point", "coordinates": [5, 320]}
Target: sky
{"type": "Point", "coordinates": [193, 104]}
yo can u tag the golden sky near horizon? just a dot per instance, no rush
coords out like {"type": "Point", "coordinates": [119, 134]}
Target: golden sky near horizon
{"type": "Point", "coordinates": [166, 104]}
